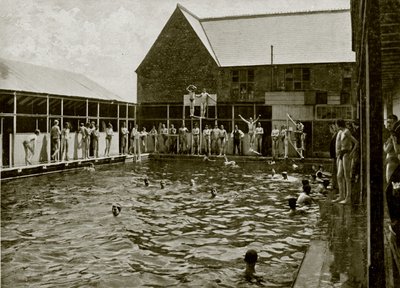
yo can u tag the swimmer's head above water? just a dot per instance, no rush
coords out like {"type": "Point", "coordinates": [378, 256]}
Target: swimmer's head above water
{"type": "Point", "coordinates": [284, 175]}
{"type": "Point", "coordinates": [251, 259]}
{"type": "Point", "coordinates": [146, 181]}
{"type": "Point", "coordinates": [162, 184]}
{"type": "Point", "coordinates": [213, 192]}
{"type": "Point", "coordinates": [116, 209]}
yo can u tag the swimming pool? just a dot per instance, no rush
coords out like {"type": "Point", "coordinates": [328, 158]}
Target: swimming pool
{"type": "Point", "coordinates": [58, 229]}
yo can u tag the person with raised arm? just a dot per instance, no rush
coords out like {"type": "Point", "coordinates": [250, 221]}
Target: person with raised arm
{"type": "Point", "coordinates": [252, 127]}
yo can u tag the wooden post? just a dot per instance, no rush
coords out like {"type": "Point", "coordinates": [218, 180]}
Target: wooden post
{"type": "Point", "coordinates": [48, 125]}
{"type": "Point", "coordinates": [374, 121]}
{"type": "Point", "coordinates": [12, 148]}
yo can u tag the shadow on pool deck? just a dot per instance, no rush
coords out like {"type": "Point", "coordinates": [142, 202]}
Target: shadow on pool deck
{"type": "Point", "coordinates": [337, 255]}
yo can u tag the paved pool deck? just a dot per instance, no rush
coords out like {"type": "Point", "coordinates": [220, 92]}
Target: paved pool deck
{"type": "Point", "coordinates": [336, 256]}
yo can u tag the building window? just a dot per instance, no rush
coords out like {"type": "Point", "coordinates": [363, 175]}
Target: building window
{"type": "Point", "coordinates": [344, 98]}
{"type": "Point", "coordinates": [321, 98]}
{"type": "Point", "coordinates": [346, 85]}
{"type": "Point", "coordinates": [331, 112]}
{"type": "Point", "coordinates": [242, 86]}
{"type": "Point", "coordinates": [297, 79]}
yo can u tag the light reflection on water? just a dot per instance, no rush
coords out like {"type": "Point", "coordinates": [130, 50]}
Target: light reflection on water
{"type": "Point", "coordinates": [58, 230]}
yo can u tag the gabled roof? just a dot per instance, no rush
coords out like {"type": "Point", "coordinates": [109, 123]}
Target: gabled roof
{"type": "Point", "coordinates": [19, 76]}
{"type": "Point", "coordinates": [296, 37]}
{"type": "Point", "coordinates": [198, 28]}
{"type": "Point", "coordinates": [306, 37]}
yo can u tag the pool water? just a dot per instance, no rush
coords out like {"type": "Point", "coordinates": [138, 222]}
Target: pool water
{"type": "Point", "coordinates": [58, 230]}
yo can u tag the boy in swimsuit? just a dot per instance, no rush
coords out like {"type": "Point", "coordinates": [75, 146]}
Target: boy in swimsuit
{"type": "Point", "coordinates": [275, 142]}
{"type": "Point", "coordinates": [29, 146]}
{"type": "Point", "coordinates": [207, 140]}
{"type": "Point", "coordinates": [215, 139]}
{"type": "Point", "coordinates": [153, 134]}
{"type": "Point", "coordinates": [183, 138]}
{"type": "Point", "coordinates": [55, 141]}
{"type": "Point", "coordinates": [252, 127]}
{"type": "Point", "coordinates": [389, 147]}
{"type": "Point", "coordinates": [346, 145]}
{"type": "Point", "coordinates": [196, 138]}
{"type": "Point", "coordinates": [223, 135]}
{"type": "Point", "coordinates": [259, 137]}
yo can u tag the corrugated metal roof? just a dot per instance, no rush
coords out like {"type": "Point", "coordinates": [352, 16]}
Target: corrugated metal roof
{"type": "Point", "coordinates": [19, 76]}
{"type": "Point", "coordinates": [302, 37]}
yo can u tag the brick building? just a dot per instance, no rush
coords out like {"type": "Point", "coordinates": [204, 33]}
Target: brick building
{"type": "Point", "coordinates": [298, 63]}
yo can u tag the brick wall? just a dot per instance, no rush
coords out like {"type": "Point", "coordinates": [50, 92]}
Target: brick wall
{"type": "Point", "coordinates": [178, 58]}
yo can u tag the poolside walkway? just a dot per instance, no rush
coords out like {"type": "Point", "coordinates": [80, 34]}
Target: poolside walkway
{"type": "Point", "coordinates": [53, 167]}
{"type": "Point", "coordinates": [336, 256]}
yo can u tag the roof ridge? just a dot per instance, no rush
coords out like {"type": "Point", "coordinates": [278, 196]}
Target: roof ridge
{"type": "Point", "coordinates": [180, 6]}
{"type": "Point", "coordinates": [273, 14]}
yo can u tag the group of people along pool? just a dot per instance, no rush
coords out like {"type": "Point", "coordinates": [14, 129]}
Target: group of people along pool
{"type": "Point", "coordinates": [214, 139]}
{"type": "Point", "coordinates": [167, 140]}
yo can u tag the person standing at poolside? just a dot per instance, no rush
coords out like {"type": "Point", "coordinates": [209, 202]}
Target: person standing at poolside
{"type": "Point", "coordinates": [390, 148]}
{"type": "Point", "coordinates": [109, 135]}
{"type": "Point", "coordinates": [183, 145]}
{"type": "Point", "coordinates": [207, 140]}
{"type": "Point", "coordinates": [299, 138]}
{"type": "Point", "coordinates": [237, 136]}
{"type": "Point", "coordinates": [87, 140]}
{"type": "Point", "coordinates": [143, 138]}
{"type": "Point", "coordinates": [96, 137]}
{"type": "Point", "coordinates": [164, 137]}
{"type": "Point", "coordinates": [124, 138]}
{"type": "Point", "coordinates": [91, 130]}
{"type": "Point", "coordinates": [154, 136]}
{"type": "Point", "coordinates": [215, 139]}
{"type": "Point", "coordinates": [64, 141]}
{"type": "Point", "coordinates": [172, 139]}
{"type": "Point", "coordinates": [259, 137]}
{"type": "Point", "coordinates": [332, 151]}
{"type": "Point", "coordinates": [275, 142]}
{"type": "Point", "coordinates": [135, 138]}
{"type": "Point", "coordinates": [223, 138]}
{"type": "Point", "coordinates": [196, 139]}
{"type": "Point", "coordinates": [85, 133]}
{"type": "Point", "coordinates": [252, 127]}
{"type": "Point", "coordinates": [346, 145]}
{"type": "Point", "coordinates": [29, 146]}
{"type": "Point", "coordinates": [55, 134]}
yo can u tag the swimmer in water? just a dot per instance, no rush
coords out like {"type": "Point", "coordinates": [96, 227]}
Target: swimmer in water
{"type": "Point", "coordinates": [162, 184]}
{"type": "Point", "coordinates": [90, 167]}
{"type": "Point", "coordinates": [292, 205]}
{"type": "Point", "coordinates": [146, 181]}
{"type": "Point", "coordinates": [208, 159]}
{"type": "Point", "coordinates": [213, 192]}
{"type": "Point", "coordinates": [116, 209]}
{"type": "Point", "coordinates": [192, 182]}
{"type": "Point", "coordinates": [250, 273]}
{"type": "Point", "coordinates": [284, 175]}
{"type": "Point", "coordinates": [304, 197]}
{"type": "Point", "coordinates": [229, 163]}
